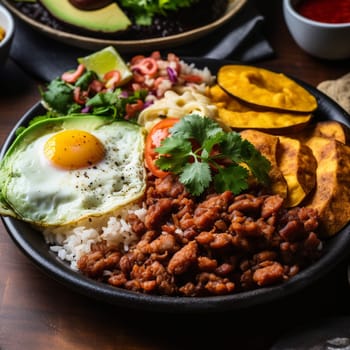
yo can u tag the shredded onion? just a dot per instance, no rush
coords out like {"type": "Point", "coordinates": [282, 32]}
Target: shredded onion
{"type": "Point", "coordinates": [172, 74]}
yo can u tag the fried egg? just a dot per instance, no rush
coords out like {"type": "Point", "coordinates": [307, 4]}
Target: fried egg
{"type": "Point", "coordinates": [61, 170]}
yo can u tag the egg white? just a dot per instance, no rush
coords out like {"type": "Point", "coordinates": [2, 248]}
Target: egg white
{"type": "Point", "coordinates": [43, 194]}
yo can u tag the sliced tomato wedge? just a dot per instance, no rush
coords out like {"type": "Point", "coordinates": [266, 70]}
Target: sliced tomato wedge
{"type": "Point", "coordinates": [157, 134]}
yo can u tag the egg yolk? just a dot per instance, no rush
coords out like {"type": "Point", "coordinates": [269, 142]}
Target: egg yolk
{"type": "Point", "coordinates": [74, 149]}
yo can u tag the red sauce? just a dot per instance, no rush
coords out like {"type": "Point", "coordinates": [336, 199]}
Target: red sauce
{"type": "Point", "coordinates": [328, 11]}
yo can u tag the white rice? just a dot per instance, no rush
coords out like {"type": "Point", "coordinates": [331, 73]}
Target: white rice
{"type": "Point", "coordinates": [207, 78]}
{"type": "Point", "coordinates": [71, 243]}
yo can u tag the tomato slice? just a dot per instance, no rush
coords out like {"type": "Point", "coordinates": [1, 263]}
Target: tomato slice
{"type": "Point", "coordinates": [153, 140]}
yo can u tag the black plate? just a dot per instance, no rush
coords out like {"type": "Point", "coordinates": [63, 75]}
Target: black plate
{"type": "Point", "coordinates": [33, 245]}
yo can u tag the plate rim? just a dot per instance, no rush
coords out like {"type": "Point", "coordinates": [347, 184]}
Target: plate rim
{"type": "Point", "coordinates": [73, 280]}
{"type": "Point", "coordinates": [91, 43]}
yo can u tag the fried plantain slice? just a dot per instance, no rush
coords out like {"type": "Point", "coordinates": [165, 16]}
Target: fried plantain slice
{"type": "Point", "coordinates": [298, 166]}
{"type": "Point", "coordinates": [239, 116]}
{"type": "Point", "coordinates": [332, 192]}
{"type": "Point", "coordinates": [262, 87]}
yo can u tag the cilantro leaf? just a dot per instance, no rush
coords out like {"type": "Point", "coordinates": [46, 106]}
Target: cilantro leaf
{"type": "Point", "coordinates": [258, 164]}
{"type": "Point", "coordinates": [84, 81]}
{"type": "Point", "coordinates": [196, 127]}
{"type": "Point", "coordinates": [242, 151]}
{"type": "Point", "coordinates": [180, 151]}
{"type": "Point", "coordinates": [104, 98]}
{"type": "Point", "coordinates": [58, 95]}
{"type": "Point", "coordinates": [232, 178]}
{"type": "Point", "coordinates": [196, 177]}
{"type": "Point", "coordinates": [210, 142]}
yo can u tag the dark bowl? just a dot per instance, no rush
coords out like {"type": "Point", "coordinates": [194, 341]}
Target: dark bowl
{"type": "Point", "coordinates": [34, 247]}
{"type": "Point", "coordinates": [128, 46]}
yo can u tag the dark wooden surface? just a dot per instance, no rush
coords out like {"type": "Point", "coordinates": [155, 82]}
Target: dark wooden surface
{"type": "Point", "coordinates": [36, 312]}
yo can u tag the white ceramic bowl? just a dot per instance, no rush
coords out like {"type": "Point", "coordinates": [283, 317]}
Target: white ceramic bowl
{"type": "Point", "coordinates": [7, 23]}
{"type": "Point", "coordinates": [323, 40]}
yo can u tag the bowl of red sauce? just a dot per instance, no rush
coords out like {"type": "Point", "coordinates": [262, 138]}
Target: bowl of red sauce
{"type": "Point", "coordinates": [320, 27]}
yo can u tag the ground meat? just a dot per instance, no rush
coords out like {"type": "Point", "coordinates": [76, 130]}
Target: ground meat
{"type": "Point", "coordinates": [182, 260]}
{"type": "Point", "coordinates": [100, 259]}
{"type": "Point", "coordinates": [214, 245]}
{"type": "Point", "coordinates": [158, 213]}
{"type": "Point", "coordinates": [210, 210]}
{"type": "Point", "coordinates": [268, 273]}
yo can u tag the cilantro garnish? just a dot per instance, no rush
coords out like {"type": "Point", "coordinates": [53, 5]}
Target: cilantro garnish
{"type": "Point", "coordinates": [201, 152]}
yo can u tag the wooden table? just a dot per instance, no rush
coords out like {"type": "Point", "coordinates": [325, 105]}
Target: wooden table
{"type": "Point", "coordinates": [38, 313]}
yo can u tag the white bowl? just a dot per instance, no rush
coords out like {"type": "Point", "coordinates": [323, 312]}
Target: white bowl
{"type": "Point", "coordinates": [7, 23]}
{"type": "Point", "coordinates": [323, 40]}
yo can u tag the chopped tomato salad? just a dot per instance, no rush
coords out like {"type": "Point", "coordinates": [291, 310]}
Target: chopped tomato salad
{"type": "Point", "coordinates": [85, 91]}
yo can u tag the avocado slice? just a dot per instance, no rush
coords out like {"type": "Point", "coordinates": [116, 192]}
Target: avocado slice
{"type": "Point", "coordinates": [108, 19]}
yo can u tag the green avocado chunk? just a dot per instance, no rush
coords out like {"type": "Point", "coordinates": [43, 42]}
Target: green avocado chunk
{"type": "Point", "coordinates": [108, 19]}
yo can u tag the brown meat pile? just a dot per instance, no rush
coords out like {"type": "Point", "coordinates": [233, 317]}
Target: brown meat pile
{"type": "Point", "coordinates": [218, 245]}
